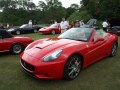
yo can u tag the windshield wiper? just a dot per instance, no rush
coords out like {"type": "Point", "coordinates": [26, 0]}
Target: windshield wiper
{"type": "Point", "coordinates": [74, 39]}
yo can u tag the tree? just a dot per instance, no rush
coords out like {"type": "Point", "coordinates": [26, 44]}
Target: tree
{"type": "Point", "coordinates": [73, 8]}
{"type": "Point", "coordinates": [52, 9]}
{"type": "Point", "coordinates": [102, 9]}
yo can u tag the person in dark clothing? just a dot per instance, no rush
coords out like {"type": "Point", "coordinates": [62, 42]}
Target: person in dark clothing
{"type": "Point", "coordinates": [1, 26]}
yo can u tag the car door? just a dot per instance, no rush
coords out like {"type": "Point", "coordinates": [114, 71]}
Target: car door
{"type": "Point", "coordinates": [96, 48]}
{"type": "Point", "coordinates": [27, 29]}
{"type": "Point", "coordinates": [1, 44]}
{"type": "Point", "coordinates": [5, 44]}
{"type": "Point", "coordinates": [5, 41]}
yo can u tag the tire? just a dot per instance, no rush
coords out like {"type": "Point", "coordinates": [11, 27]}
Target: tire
{"type": "Point", "coordinates": [72, 67]}
{"type": "Point", "coordinates": [53, 32]}
{"type": "Point", "coordinates": [114, 50]}
{"type": "Point", "coordinates": [18, 32]}
{"type": "Point", "coordinates": [17, 48]}
{"type": "Point", "coordinates": [35, 31]}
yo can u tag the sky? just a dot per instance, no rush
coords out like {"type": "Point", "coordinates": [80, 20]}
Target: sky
{"type": "Point", "coordinates": [65, 3]}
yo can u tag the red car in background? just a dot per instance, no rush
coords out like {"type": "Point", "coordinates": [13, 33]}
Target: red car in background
{"type": "Point", "coordinates": [52, 29]}
{"type": "Point", "coordinates": [67, 55]}
{"type": "Point", "coordinates": [14, 44]}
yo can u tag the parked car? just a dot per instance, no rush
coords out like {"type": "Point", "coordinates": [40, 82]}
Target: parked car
{"type": "Point", "coordinates": [114, 30]}
{"type": "Point", "coordinates": [67, 55]}
{"type": "Point", "coordinates": [92, 23]}
{"type": "Point", "coordinates": [52, 29]}
{"type": "Point", "coordinates": [14, 44]}
{"type": "Point", "coordinates": [25, 28]}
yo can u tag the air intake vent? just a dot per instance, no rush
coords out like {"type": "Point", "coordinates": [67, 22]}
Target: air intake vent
{"type": "Point", "coordinates": [38, 47]}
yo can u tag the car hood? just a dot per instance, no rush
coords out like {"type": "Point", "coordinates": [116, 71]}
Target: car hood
{"type": "Point", "coordinates": [41, 48]}
{"type": "Point", "coordinates": [11, 29]}
{"type": "Point", "coordinates": [23, 38]}
{"type": "Point", "coordinates": [46, 28]}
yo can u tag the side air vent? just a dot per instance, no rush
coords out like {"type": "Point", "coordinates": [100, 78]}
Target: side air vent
{"type": "Point", "coordinates": [38, 47]}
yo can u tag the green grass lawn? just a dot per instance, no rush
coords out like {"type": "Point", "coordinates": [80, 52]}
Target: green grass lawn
{"type": "Point", "coordinates": [103, 75]}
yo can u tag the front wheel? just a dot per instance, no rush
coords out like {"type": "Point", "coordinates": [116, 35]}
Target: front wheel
{"type": "Point", "coordinates": [114, 50]}
{"type": "Point", "coordinates": [53, 32]}
{"type": "Point", "coordinates": [18, 32]}
{"type": "Point", "coordinates": [16, 48]}
{"type": "Point", "coordinates": [72, 67]}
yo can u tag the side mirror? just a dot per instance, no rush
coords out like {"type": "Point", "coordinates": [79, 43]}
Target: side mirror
{"type": "Point", "coordinates": [99, 39]}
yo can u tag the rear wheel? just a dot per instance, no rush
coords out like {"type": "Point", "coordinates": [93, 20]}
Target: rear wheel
{"type": "Point", "coordinates": [114, 50]}
{"type": "Point", "coordinates": [53, 32]}
{"type": "Point", "coordinates": [35, 31]}
{"type": "Point", "coordinates": [16, 48]}
{"type": "Point", "coordinates": [72, 67]}
{"type": "Point", "coordinates": [18, 32]}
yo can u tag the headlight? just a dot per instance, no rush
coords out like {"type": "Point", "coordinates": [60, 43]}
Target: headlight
{"type": "Point", "coordinates": [52, 56]}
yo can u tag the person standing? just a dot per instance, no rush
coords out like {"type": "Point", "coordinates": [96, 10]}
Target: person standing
{"type": "Point", "coordinates": [77, 23]}
{"type": "Point", "coordinates": [51, 22]}
{"type": "Point", "coordinates": [30, 23]}
{"type": "Point", "coordinates": [8, 25]}
{"type": "Point", "coordinates": [55, 22]}
{"type": "Point", "coordinates": [105, 25]}
{"type": "Point", "coordinates": [1, 26]}
{"type": "Point", "coordinates": [81, 23]}
{"type": "Point", "coordinates": [64, 25]}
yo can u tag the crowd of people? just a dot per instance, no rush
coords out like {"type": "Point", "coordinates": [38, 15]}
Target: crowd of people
{"type": "Point", "coordinates": [64, 24]}
{"type": "Point", "coordinates": [7, 26]}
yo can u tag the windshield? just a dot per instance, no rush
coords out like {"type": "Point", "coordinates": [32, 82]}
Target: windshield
{"type": "Point", "coordinates": [79, 34]}
{"type": "Point", "coordinates": [5, 34]}
{"type": "Point", "coordinates": [24, 25]}
{"type": "Point", "coordinates": [54, 25]}
{"type": "Point", "coordinates": [92, 22]}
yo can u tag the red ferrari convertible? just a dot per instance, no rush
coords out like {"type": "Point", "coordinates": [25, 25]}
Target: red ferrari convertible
{"type": "Point", "coordinates": [13, 44]}
{"type": "Point", "coordinates": [53, 29]}
{"type": "Point", "coordinates": [65, 56]}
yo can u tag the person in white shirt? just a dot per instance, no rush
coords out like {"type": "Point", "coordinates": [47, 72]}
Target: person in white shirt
{"type": "Point", "coordinates": [30, 23]}
{"type": "Point", "coordinates": [8, 25]}
{"type": "Point", "coordinates": [64, 25]}
{"type": "Point", "coordinates": [105, 25]}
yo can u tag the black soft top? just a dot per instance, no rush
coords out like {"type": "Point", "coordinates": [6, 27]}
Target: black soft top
{"type": "Point", "coordinates": [5, 34]}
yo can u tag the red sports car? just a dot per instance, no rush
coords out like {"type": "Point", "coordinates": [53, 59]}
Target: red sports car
{"type": "Point", "coordinates": [11, 43]}
{"type": "Point", "coordinates": [53, 29]}
{"type": "Point", "coordinates": [65, 56]}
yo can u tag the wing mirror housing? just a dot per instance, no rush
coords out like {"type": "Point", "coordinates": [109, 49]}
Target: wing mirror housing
{"type": "Point", "coordinates": [99, 39]}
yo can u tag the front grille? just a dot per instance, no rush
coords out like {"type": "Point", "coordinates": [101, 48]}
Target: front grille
{"type": "Point", "coordinates": [29, 73]}
{"type": "Point", "coordinates": [28, 66]}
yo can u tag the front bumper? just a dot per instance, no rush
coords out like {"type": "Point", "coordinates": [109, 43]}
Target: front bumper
{"type": "Point", "coordinates": [45, 32]}
{"type": "Point", "coordinates": [46, 70]}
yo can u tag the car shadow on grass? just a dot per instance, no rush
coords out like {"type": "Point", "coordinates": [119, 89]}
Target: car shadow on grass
{"type": "Point", "coordinates": [4, 54]}
{"type": "Point", "coordinates": [33, 78]}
